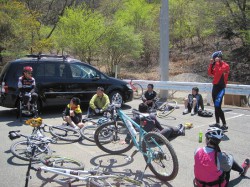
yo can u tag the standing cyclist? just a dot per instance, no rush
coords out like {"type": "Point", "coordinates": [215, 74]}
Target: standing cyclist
{"type": "Point", "coordinates": [219, 70]}
{"type": "Point", "coordinates": [26, 86]}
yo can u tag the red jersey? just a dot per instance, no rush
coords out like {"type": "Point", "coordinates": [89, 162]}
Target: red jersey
{"type": "Point", "coordinates": [219, 70]}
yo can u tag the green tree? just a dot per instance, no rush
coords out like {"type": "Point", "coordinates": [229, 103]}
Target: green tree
{"type": "Point", "coordinates": [80, 32]}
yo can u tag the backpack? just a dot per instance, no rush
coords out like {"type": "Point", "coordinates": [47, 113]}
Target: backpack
{"type": "Point", "coordinates": [205, 113]}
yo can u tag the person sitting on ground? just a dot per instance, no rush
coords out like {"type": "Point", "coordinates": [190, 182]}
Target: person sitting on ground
{"type": "Point", "coordinates": [150, 123]}
{"type": "Point", "coordinates": [98, 103]}
{"type": "Point", "coordinates": [212, 167]}
{"type": "Point", "coordinates": [27, 86]}
{"type": "Point", "coordinates": [72, 114]}
{"type": "Point", "coordinates": [193, 102]}
{"type": "Point", "coordinates": [149, 96]}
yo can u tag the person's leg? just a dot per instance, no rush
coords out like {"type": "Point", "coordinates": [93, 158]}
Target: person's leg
{"type": "Point", "coordinates": [237, 167]}
{"type": "Point", "coordinates": [220, 112]}
{"type": "Point", "coordinates": [25, 99]}
{"type": "Point", "coordinates": [34, 97]}
{"type": "Point", "coordinates": [185, 105]}
{"type": "Point", "coordinates": [70, 122]}
{"type": "Point", "coordinates": [215, 92]}
{"type": "Point", "coordinates": [167, 132]}
{"type": "Point", "coordinates": [80, 125]}
{"type": "Point", "coordinates": [193, 110]}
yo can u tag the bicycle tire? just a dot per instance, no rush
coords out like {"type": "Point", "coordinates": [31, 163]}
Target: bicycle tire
{"type": "Point", "coordinates": [113, 181]}
{"type": "Point", "coordinates": [65, 133]}
{"type": "Point", "coordinates": [25, 153]}
{"type": "Point", "coordinates": [57, 161]}
{"type": "Point", "coordinates": [164, 111]}
{"type": "Point", "coordinates": [114, 133]}
{"type": "Point", "coordinates": [88, 132]}
{"type": "Point", "coordinates": [138, 91]}
{"type": "Point", "coordinates": [164, 154]}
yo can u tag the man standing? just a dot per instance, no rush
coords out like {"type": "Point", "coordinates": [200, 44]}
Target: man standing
{"type": "Point", "coordinates": [219, 70]}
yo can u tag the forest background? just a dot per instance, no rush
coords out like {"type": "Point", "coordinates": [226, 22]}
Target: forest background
{"type": "Point", "coordinates": [126, 32]}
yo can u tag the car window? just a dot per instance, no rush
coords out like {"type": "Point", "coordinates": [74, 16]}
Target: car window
{"type": "Point", "coordinates": [50, 70]}
{"type": "Point", "coordinates": [80, 71]}
{"type": "Point", "coordinates": [39, 71]}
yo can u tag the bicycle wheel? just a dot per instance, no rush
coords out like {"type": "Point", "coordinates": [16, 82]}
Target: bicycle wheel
{"type": "Point", "coordinates": [109, 137]}
{"type": "Point", "coordinates": [88, 132]}
{"type": "Point", "coordinates": [65, 133]}
{"type": "Point", "coordinates": [113, 180]}
{"type": "Point", "coordinates": [57, 161]}
{"type": "Point", "coordinates": [166, 108]}
{"type": "Point", "coordinates": [137, 90]}
{"type": "Point", "coordinates": [163, 161]}
{"type": "Point", "coordinates": [22, 150]}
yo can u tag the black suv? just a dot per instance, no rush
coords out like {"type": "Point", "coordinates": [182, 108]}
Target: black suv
{"type": "Point", "coordinates": [58, 79]}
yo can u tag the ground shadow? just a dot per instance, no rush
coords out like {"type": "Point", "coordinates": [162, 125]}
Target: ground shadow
{"type": "Point", "coordinates": [235, 182]}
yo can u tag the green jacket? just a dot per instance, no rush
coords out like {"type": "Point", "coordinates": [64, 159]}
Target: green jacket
{"type": "Point", "coordinates": [99, 102]}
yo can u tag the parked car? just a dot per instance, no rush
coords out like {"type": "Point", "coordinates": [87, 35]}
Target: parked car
{"type": "Point", "coordinates": [58, 79]}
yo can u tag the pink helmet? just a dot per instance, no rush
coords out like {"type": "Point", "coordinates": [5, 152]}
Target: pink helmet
{"type": "Point", "coordinates": [27, 69]}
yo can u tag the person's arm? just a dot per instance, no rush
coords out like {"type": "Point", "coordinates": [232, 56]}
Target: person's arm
{"type": "Point", "coordinates": [107, 102]}
{"type": "Point", "coordinates": [211, 69]}
{"type": "Point", "coordinates": [224, 161]}
{"type": "Point", "coordinates": [156, 122]}
{"type": "Point", "coordinates": [20, 84]}
{"type": "Point", "coordinates": [144, 97]}
{"type": "Point", "coordinates": [92, 102]}
{"type": "Point", "coordinates": [33, 86]}
{"type": "Point", "coordinates": [65, 112]}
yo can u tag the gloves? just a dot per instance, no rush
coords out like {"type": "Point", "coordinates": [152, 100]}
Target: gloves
{"type": "Point", "coordinates": [101, 110]}
{"type": "Point", "coordinates": [97, 111]}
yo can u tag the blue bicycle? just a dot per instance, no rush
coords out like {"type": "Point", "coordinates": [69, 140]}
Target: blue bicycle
{"type": "Point", "coordinates": [156, 149]}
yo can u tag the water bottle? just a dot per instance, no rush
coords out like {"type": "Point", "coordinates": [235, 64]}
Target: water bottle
{"type": "Point", "coordinates": [200, 137]}
{"type": "Point", "coordinates": [131, 128]}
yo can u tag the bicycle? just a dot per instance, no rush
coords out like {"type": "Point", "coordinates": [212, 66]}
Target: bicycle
{"type": "Point", "coordinates": [156, 149]}
{"type": "Point", "coordinates": [23, 149]}
{"type": "Point", "coordinates": [74, 171]}
{"type": "Point", "coordinates": [137, 89]}
{"type": "Point", "coordinates": [88, 131]}
{"type": "Point", "coordinates": [163, 109]}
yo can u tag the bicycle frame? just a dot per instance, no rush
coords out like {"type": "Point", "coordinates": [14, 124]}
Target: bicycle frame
{"type": "Point", "coordinates": [142, 133]}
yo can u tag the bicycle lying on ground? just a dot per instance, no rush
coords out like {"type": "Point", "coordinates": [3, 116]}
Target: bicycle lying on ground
{"type": "Point", "coordinates": [156, 149]}
{"type": "Point", "coordinates": [74, 171]}
{"type": "Point", "coordinates": [22, 149]}
{"type": "Point", "coordinates": [137, 89]}
{"type": "Point", "coordinates": [163, 108]}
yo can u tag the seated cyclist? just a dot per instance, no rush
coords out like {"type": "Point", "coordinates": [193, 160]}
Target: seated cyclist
{"type": "Point", "coordinates": [212, 167]}
{"type": "Point", "coordinates": [72, 114]}
{"type": "Point", "coordinates": [150, 123]}
{"type": "Point", "coordinates": [98, 103]}
{"type": "Point", "coordinates": [193, 102]}
{"type": "Point", "coordinates": [149, 96]}
{"type": "Point", "coordinates": [27, 86]}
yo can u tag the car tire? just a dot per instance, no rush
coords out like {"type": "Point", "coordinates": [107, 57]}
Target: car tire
{"type": "Point", "coordinates": [113, 94]}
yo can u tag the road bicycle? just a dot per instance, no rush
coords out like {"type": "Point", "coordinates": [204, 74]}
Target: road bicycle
{"type": "Point", "coordinates": [73, 171]}
{"type": "Point", "coordinates": [163, 108]}
{"type": "Point", "coordinates": [158, 153]}
{"type": "Point", "coordinates": [23, 149]}
{"type": "Point", "coordinates": [137, 89]}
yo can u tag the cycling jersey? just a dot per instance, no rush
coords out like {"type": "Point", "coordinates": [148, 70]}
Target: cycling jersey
{"type": "Point", "coordinates": [99, 102]}
{"type": "Point", "coordinates": [220, 71]}
{"type": "Point", "coordinates": [26, 84]}
{"type": "Point", "coordinates": [77, 118]}
{"type": "Point", "coordinates": [206, 172]}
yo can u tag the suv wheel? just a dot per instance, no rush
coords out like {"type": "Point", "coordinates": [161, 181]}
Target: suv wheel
{"type": "Point", "coordinates": [116, 96]}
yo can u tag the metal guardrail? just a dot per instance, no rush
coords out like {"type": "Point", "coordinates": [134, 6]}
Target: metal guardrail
{"type": "Point", "coordinates": [235, 89]}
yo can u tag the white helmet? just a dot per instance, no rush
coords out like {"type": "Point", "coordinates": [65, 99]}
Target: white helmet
{"type": "Point", "coordinates": [214, 133]}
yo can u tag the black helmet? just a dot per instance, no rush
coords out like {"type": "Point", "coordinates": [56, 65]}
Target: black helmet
{"type": "Point", "coordinates": [143, 108]}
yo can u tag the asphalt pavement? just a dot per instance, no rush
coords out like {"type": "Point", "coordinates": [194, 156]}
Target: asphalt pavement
{"type": "Point", "coordinates": [236, 142]}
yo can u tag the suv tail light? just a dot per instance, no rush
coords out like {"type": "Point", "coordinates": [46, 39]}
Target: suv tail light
{"type": "Point", "coordinates": [3, 87]}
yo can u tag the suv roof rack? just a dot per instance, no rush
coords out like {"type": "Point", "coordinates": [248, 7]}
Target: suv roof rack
{"type": "Point", "coordinates": [39, 56]}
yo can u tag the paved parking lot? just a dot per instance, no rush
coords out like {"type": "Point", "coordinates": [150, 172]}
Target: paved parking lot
{"type": "Point", "coordinates": [13, 170]}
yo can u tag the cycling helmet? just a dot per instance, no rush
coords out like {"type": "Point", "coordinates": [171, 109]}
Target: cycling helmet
{"type": "Point", "coordinates": [143, 108]}
{"type": "Point", "coordinates": [196, 89]}
{"type": "Point", "coordinates": [217, 54]}
{"type": "Point", "coordinates": [102, 121]}
{"type": "Point", "coordinates": [27, 69]}
{"type": "Point", "coordinates": [214, 133]}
